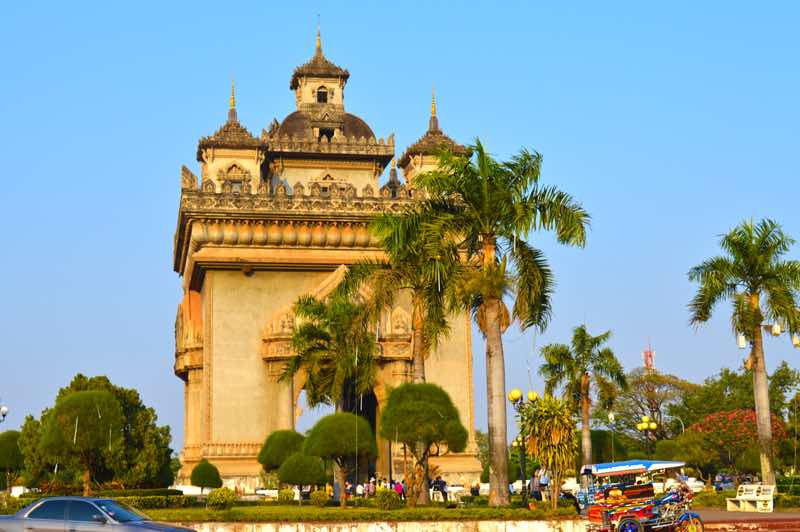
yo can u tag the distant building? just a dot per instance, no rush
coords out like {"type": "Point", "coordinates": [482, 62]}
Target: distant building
{"type": "Point", "coordinates": [269, 219]}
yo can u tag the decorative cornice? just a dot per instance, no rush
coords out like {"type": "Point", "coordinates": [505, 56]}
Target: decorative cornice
{"type": "Point", "coordinates": [338, 145]}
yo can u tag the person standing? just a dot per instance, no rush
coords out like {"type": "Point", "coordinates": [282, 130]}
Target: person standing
{"type": "Point", "coordinates": [544, 483]}
{"type": "Point", "coordinates": [536, 488]}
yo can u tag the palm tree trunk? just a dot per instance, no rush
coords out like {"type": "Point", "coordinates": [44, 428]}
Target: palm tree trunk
{"type": "Point", "coordinates": [496, 398]}
{"type": "Point", "coordinates": [87, 482]}
{"type": "Point", "coordinates": [586, 434]}
{"type": "Point", "coordinates": [763, 415]}
{"type": "Point", "coordinates": [417, 347]}
{"type": "Point", "coordinates": [341, 478]}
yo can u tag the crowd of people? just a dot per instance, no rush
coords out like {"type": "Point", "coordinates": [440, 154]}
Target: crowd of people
{"type": "Point", "coordinates": [368, 489]}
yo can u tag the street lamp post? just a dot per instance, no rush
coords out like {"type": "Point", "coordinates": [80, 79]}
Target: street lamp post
{"type": "Point", "coordinates": [648, 428]}
{"type": "Point", "coordinates": [611, 426]}
{"type": "Point", "coordinates": [515, 397]}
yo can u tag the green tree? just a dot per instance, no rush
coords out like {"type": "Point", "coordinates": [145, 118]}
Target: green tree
{"type": "Point", "coordinates": [84, 429]}
{"type": "Point", "coordinates": [482, 441]}
{"type": "Point", "coordinates": [763, 286]}
{"type": "Point", "coordinates": [301, 469]}
{"type": "Point", "coordinates": [34, 459]}
{"type": "Point", "coordinates": [576, 367]}
{"type": "Point", "coordinates": [205, 475]}
{"type": "Point", "coordinates": [698, 453]}
{"type": "Point", "coordinates": [550, 432]}
{"type": "Point", "coordinates": [606, 447]}
{"type": "Point", "coordinates": [334, 344]}
{"type": "Point", "coordinates": [11, 460]}
{"type": "Point", "coordinates": [489, 208]}
{"type": "Point", "coordinates": [340, 437]}
{"type": "Point", "coordinates": [649, 393]}
{"type": "Point", "coordinates": [423, 417]}
{"type": "Point", "coordinates": [146, 455]}
{"type": "Point", "coordinates": [279, 446]}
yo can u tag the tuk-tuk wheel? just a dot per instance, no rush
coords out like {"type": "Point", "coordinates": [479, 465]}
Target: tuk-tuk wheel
{"type": "Point", "coordinates": [629, 524]}
{"type": "Point", "coordinates": [692, 524]}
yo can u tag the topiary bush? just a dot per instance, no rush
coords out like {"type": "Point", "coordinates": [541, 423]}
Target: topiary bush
{"type": "Point", "coordinates": [279, 446]}
{"type": "Point", "coordinates": [286, 496]}
{"type": "Point", "coordinates": [205, 475]}
{"type": "Point", "coordinates": [387, 499]}
{"type": "Point", "coordinates": [319, 498]}
{"type": "Point", "coordinates": [221, 499]}
{"type": "Point", "coordinates": [301, 470]}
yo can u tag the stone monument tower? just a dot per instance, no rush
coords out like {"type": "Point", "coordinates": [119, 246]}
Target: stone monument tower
{"type": "Point", "coordinates": [272, 218]}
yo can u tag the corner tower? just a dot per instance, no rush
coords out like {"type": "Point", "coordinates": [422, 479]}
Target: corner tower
{"type": "Point", "coordinates": [422, 156]}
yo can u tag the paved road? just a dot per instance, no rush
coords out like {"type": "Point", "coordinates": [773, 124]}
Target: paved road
{"type": "Point", "coordinates": [721, 516]}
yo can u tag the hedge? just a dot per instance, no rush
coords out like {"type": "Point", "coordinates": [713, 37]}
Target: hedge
{"type": "Point", "coordinates": [155, 492]}
{"type": "Point", "coordinates": [291, 513]}
{"type": "Point", "coordinates": [142, 503]}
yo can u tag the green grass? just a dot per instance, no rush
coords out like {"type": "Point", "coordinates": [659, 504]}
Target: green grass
{"type": "Point", "coordinates": [291, 513]}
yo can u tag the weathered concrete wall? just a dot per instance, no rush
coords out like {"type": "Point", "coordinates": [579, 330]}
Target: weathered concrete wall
{"type": "Point", "coordinates": [411, 526]}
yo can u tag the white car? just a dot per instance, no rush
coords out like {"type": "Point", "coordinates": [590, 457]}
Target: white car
{"type": "Point", "coordinates": [570, 486]}
{"type": "Point", "coordinates": [695, 485]}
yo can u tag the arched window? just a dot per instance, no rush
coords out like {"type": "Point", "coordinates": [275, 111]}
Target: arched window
{"type": "Point", "coordinates": [322, 95]}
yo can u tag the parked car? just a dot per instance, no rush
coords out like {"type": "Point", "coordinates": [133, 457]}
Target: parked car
{"type": "Point", "coordinates": [82, 514]}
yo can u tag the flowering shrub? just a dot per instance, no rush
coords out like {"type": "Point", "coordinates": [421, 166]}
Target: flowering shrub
{"type": "Point", "coordinates": [221, 499]}
{"type": "Point", "coordinates": [319, 497]}
{"type": "Point", "coordinates": [735, 428]}
{"type": "Point", "coordinates": [286, 495]}
{"type": "Point", "coordinates": [387, 499]}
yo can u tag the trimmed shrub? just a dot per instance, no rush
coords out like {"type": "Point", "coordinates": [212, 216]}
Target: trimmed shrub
{"type": "Point", "coordinates": [279, 446]}
{"type": "Point", "coordinates": [319, 498]}
{"type": "Point", "coordinates": [286, 496]}
{"type": "Point", "coordinates": [206, 475]}
{"type": "Point", "coordinates": [301, 469]}
{"type": "Point", "coordinates": [159, 501]}
{"type": "Point", "coordinates": [387, 499]}
{"type": "Point", "coordinates": [221, 499]}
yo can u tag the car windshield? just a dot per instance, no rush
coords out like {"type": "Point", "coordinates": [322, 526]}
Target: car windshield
{"type": "Point", "coordinates": [122, 513]}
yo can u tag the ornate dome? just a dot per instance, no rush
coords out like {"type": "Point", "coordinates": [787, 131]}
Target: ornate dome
{"type": "Point", "coordinates": [299, 123]}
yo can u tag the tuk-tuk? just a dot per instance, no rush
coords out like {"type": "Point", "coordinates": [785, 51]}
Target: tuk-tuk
{"type": "Point", "coordinates": [620, 498]}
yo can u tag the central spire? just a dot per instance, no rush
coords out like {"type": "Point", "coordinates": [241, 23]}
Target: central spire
{"type": "Point", "coordinates": [318, 51]}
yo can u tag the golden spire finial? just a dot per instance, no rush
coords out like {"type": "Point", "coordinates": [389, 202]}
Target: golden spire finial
{"type": "Point", "coordinates": [233, 96]}
{"type": "Point", "coordinates": [394, 163]}
{"type": "Point", "coordinates": [319, 38]}
{"type": "Point", "coordinates": [433, 100]}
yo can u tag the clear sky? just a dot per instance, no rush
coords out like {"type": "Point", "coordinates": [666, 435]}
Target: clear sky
{"type": "Point", "coordinates": [670, 123]}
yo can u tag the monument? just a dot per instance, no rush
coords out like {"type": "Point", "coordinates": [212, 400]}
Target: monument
{"type": "Point", "coordinates": [269, 219]}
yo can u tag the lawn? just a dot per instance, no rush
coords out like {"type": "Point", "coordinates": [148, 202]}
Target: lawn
{"type": "Point", "coordinates": [292, 513]}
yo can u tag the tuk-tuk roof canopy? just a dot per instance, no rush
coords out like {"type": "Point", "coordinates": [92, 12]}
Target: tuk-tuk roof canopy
{"type": "Point", "coordinates": [630, 467]}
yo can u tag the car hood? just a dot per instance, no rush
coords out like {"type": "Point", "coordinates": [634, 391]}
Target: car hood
{"type": "Point", "coordinates": [156, 526]}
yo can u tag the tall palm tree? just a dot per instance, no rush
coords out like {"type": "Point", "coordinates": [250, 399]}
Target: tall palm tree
{"type": "Point", "coordinates": [575, 366]}
{"type": "Point", "coordinates": [335, 348]}
{"type": "Point", "coordinates": [488, 208]}
{"type": "Point", "coordinates": [762, 287]}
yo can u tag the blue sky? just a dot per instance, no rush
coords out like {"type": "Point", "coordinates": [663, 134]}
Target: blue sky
{"type": "Point", "coordinates": [670, 124]}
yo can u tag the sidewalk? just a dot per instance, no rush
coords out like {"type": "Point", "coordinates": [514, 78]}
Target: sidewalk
{"type": "Point", "coordinates": [722, 520]}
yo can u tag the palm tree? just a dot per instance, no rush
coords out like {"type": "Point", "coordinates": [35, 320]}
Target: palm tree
{"type": "Point", "coordinates": [416, 262]}
{"type": "Point", "coordinates": [423, 265]}
{"type": "Point", "coordinates": [762, 286]}
{"type": "Point", "coordinates": [335, 348]}
{"type": "Point", "coordinates": [488, 208]}
{"type": "Point", "coordinates": [550, 428]}
{"type": "Point", "coordinates": [575, 366]}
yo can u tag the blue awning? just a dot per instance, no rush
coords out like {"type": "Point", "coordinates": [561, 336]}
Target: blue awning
{"type": "Point", "coordinates": [631, 467]}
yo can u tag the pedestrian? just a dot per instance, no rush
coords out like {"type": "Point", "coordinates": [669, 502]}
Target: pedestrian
{"type": "Point", "coordinates": [536, 487]}
{"type": "Point", "coordinates": [359, 490]}
{"type": "Point", "coordinates": [475, 490]}
{"type": "Point", "coordinates": [398, 488]}
{"type": "Point", "coordinates": [544, 483]}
